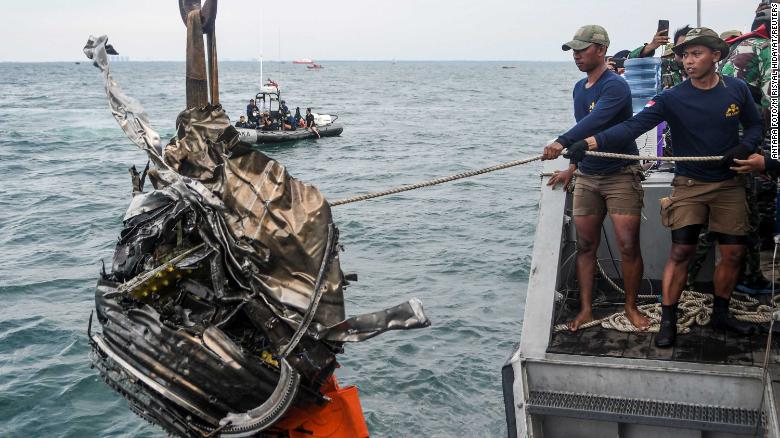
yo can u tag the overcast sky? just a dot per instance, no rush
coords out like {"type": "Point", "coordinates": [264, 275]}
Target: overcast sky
{"type": "Point", "coordinates": [55, 30]}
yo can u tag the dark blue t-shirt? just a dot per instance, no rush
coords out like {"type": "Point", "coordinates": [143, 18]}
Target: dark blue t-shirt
{"type": "Point", "coordinates": [250, 109]}
{"type": "Point", "coordinates": [702, 122]}
{"type": "Point", "coordinates": [605, 104]}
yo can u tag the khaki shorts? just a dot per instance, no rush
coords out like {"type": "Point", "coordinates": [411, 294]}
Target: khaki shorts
{"type": "Point", "coordinates": [722, 206]}
{"type": "Point", "coordinates": [619, 193]}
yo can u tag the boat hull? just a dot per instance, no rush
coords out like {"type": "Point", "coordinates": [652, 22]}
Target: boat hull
{"type": "Point", "coordinates": [264, 137]}
{"type": "Point", "coordinates": [601, 382]}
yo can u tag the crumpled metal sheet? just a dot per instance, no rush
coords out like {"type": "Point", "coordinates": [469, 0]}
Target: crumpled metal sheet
{"type": "Point", "coordinates": [127, 111]}
{"type": "Point", "coordinates": [267, 211]}
{"type": "Point", "coordinates": [404, 316]}
{"type": "Point", "coordinates": [179, 360]}
{"type": "Point", "coordinates": [270, 228]}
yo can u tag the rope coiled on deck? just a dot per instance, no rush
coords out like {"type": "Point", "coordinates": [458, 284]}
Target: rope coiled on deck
{"type": "Point", "coordinates": [694, 307]}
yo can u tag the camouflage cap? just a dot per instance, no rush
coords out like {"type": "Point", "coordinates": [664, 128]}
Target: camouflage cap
{"type": "Point", "coordinates": [703, 36]}
{"type": "Point", "coordinates": [730, 34]}
{"type": "Point", "coordinates": [587, 35]}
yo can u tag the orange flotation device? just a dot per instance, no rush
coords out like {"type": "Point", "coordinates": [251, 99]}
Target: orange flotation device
{"type": "Point", "coordinates": [342, 417]}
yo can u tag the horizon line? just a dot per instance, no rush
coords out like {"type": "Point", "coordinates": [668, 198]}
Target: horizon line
{"type": "Point", "coordinates": [288, 61]}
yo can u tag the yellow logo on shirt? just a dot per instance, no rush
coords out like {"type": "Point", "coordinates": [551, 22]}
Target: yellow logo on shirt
{"type": "Point", "coordinates": [592, 105]}
{"type": "Point", "coordinates": [732, 110]}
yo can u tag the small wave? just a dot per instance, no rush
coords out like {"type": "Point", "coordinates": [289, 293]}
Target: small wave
{"type": "Point", "coordinates": [35, 98]}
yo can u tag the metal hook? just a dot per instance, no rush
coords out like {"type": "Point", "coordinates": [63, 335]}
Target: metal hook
{"type": "Point", "coordinates": [208, 16]}
{"type": "Point", "coordinates": [208, 12]}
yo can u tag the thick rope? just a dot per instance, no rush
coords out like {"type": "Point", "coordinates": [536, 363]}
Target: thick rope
{"type": "Point", "coordinates": [434, 182]}
{"type": "Point", "coordinates": [651, 157]}
{"type": "Point", "coordinates": [695, 308]}
{"type": "Point", "coordinates": [507, 165]}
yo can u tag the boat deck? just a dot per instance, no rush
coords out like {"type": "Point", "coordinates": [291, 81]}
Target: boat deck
{"type": "Point", "coordinates": [702, 344]}
{"type": "Point", "coordinates": [602, 382]}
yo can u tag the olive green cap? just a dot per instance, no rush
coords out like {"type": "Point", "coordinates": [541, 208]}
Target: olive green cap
{"type": "Point", "coordinates": [587, 35]}
{"type": "Point", "coordinates": [703, 36]}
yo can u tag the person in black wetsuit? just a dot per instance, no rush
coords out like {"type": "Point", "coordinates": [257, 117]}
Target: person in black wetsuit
{"type": "Point", "coordinates": [252, 112]}
{"type": "Point", "coordinates": [298, 117]}
{"type": "Point", "coordinates": [285, 118]}
{"type": "Point", "coordinates": [310, 125]}
{"type": "Point", "coordinates": [241, 123]}
{"type": "Point", "coordinates": [268, 125]}
{"type": "Point", "coordinates": [704, 114]}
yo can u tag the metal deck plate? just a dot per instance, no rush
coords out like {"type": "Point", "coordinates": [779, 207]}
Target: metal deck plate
{"type": "Point", "coordinates": [649, 412]}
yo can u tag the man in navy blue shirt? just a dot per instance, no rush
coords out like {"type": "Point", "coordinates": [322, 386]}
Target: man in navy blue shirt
{"type": "Point", "coordinates": [601, 100]}
{"type": "Point", "coordinates": [704, 114]}
{"type": "Point", "coordinates": [252, 112]}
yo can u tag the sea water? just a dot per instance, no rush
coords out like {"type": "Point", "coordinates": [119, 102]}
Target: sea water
{"type": "Point", "coordinates": [463, 248]}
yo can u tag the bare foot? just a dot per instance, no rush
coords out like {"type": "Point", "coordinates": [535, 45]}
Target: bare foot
{"type": "Point", "coordinates": [585, 316]}
{"type": "Point", "coordinates": [637, 319]}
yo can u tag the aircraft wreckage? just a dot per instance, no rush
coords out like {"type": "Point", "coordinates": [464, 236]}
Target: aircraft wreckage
{"type": "Point", "coordinates": [223, 312]}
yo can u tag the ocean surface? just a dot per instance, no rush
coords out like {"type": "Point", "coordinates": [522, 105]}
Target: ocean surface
{"type": "Point", "coordinates": [463, 248]}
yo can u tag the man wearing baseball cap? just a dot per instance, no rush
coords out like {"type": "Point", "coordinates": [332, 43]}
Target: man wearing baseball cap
{"type": "Point", "coordinates": [704, 114]}
{"type": "Point", "coordinates": [603, 186]}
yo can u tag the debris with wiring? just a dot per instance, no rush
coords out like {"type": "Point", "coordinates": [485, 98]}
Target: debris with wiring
{"type": "Point", "coordinates": [223, 312]}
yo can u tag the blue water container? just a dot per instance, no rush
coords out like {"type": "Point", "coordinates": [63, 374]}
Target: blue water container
{"type": "Point", "coordinates": [644, 78]}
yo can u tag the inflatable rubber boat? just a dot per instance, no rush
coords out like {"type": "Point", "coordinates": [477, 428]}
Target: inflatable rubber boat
{"type": "Point", "coordinates": [270, 98]}
{"type": "Point", "coordinates": [259, 136]}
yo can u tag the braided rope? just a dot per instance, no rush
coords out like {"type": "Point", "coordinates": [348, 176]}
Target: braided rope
{"type": "Point", "coordinates": [695, 308]}
{"type": "Point", "coordinates": [618, 288]}
{"type": "Point", "coordinates": [507, 165]}
{"type": "Point", "coordinates": [652, 157]}
{"type": "Point", "coordinates": [434, 182]}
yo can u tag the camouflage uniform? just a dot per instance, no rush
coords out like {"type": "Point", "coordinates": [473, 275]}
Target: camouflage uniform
{"type": "Point", "coordinates": [749, 60]}
{"type": "Point", "coordinates": [637, 53]}
{"type": "Point", "coordinates": [671, 73]}
{"type": "Point", "coordinates": [671, 76]}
